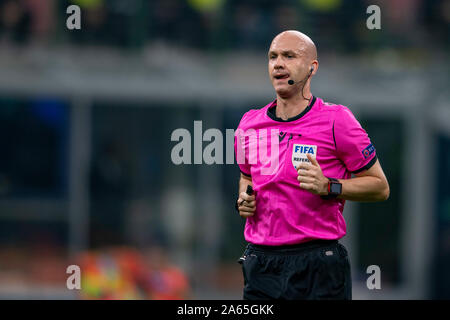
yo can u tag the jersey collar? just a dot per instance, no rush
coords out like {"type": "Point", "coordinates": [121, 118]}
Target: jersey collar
{"type": "Point", "coordinates": [271, 111]}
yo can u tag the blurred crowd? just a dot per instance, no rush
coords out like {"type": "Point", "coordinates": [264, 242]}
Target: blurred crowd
{"type": "Point", "coordinates": [109, 273]}
{"type": "Point", "coordinates": [225, 24]}
{"type": "Point", "coordinates": [119, 273]}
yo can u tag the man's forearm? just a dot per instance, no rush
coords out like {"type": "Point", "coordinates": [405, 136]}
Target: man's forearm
{"type": "Point", "coordinates": [364, 189]}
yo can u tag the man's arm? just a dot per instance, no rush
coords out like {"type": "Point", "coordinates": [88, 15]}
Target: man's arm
{"type": "Point", "coordinates": [368, 186]}
{"type": "Point", "coordinates": [246, 203]}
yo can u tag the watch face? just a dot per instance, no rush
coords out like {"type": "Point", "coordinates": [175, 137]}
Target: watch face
{"type": "Point", "coordinates": [336, 188]}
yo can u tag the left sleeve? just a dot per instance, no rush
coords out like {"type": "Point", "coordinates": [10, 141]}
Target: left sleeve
{"type": "Point", "coordinates": [352, 143]}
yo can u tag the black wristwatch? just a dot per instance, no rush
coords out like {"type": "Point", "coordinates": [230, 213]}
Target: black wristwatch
{"type": "Point", "coordinates": [334, 189]}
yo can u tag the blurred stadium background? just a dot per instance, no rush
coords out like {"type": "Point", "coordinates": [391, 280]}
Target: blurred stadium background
{"type": "Point", "coordinates": [86, 117]}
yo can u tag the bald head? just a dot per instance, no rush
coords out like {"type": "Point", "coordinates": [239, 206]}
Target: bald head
{"type": "Point", "coordinates": [299, 41]}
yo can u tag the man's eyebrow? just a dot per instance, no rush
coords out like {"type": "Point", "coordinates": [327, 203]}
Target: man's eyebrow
{"type": "Point", "coordinates": [284, 52]}
{"type": "Point", "coordinates": [288, 52]}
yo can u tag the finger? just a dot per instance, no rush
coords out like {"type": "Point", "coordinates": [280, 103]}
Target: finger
{"type": "Point", "coordinates": [306, 179]}
{"type": "Point", "coordinates": [247, 209]}
{"type": "Point", "coordinates": [246, 197]}
{"type": "Point", "coordinates": [304, 166]}
{"type": "Point", "coordinates": [307, 186]}
{"type": "Point", "coordinates": [312, 159]}
{"type": "Point", "coordinates": [306, 173]}
{"type": "Point", "coordinates": [250, 204]}
{"type": "Point", "coordinates": [246, 214]}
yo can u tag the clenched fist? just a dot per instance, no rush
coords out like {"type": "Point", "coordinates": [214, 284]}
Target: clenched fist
{"type": "Point", "coordinates": [311, 177]}
{"type": "Point", "coordinates": [246, 205]}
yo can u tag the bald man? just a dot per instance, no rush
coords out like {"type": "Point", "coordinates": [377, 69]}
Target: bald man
{"type": "Point", "coordinates": [304, 158]}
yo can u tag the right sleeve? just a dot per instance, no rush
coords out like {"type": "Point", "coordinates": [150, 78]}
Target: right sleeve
{"type": "Point", "coordinates": [239, 150]}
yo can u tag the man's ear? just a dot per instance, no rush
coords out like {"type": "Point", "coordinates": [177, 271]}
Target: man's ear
{"type": "Point", "coordinates": [314, 67]}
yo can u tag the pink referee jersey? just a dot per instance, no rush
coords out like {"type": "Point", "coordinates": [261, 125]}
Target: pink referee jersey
{"type": "Point", "coordinates": [268, 149]}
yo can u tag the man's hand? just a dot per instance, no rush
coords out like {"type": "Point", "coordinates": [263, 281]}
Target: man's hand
{"type": "Point", "coordinates": [311, 177]}
{"type": "Point", "coordinates": [246, 204]}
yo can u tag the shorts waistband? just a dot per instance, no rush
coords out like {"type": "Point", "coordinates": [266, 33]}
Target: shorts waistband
{"type": "Point", "coordinates": [313, 244]}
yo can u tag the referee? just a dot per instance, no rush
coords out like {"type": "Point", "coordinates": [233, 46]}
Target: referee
{"type": "Point", "coordinates": [294, 216]}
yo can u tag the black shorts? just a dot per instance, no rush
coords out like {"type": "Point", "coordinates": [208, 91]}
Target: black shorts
{"type": "Point", "coordinates": [318, 269]}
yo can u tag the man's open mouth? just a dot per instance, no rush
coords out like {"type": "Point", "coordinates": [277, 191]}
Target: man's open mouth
{"type": "Point", "coordinates": [281, 76]}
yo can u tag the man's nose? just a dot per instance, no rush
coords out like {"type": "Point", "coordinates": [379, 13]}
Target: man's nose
{"type": "Point", "coordinates": [279, 63]}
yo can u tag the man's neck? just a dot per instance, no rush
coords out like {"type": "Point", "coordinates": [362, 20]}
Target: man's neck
{"type": "Point", "coordinates": [290, 107]}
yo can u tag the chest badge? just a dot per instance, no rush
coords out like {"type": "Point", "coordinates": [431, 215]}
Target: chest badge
{"type": "Point", "coordinates": [299, 152]}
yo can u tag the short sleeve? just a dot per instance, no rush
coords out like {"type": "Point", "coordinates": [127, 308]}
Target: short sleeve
{"type": "Point", "coordinates": [353, 145]}
{"type": "Point", "coordinates": [239, 150]}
